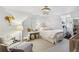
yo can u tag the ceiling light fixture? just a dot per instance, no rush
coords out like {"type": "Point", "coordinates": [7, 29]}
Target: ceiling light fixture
{"type": "Point", "coordinates": [45, 10]}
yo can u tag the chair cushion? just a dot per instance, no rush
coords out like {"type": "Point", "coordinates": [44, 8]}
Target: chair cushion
{"type": "Point", "coordinates": [25, 46]}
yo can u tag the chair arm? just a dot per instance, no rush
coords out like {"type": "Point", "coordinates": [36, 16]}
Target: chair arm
{"type": "Point", "coordinates": [3, 48]}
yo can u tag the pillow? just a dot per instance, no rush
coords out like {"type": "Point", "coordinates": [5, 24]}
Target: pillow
{"type": "Point", "coordinates": [46, 28]}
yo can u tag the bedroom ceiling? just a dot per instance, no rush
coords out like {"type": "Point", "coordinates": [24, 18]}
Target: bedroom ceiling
{"type": "Point", "coordinates": [36, 10]}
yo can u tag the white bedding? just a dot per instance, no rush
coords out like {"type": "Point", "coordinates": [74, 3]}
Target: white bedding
{"type": "Point", "coordinates": [51, 35]}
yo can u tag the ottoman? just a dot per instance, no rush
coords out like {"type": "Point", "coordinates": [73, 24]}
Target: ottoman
{"type": "Point", "coordinates": [21, 47]}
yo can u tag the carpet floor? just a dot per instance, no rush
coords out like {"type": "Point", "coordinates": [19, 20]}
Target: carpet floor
{"type": "Point", "coordinates": [63, 46]}
{"type": "Point", "coordinates": [40, 45]}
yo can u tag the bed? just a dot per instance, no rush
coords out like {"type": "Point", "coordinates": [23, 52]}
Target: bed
{"type": "Point", "coordinates": [51, 33]}
{"type": "Point", "coordinates": [52, 36]}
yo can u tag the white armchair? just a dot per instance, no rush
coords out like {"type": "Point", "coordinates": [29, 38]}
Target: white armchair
{"type": "Point", "coordinates": [21, 47]}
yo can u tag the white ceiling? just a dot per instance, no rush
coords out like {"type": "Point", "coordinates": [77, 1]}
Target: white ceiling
{"type": "Point", "coordinates": [24, 12]}
{"type": "Point", "coordinates": [36, 10]}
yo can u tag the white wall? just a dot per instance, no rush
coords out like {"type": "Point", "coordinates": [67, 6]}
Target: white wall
{"type": "Point", "coordinates": [5, 27]}
{"type": "Point", "coordinates": [75, 14]}
{"type": "Point", "coordinates": [3, 24]}
{"type": "Point", "coordinates": [52, 21]}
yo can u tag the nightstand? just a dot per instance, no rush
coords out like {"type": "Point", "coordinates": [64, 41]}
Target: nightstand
{"type": "Point", "coordinates": [32, 35]}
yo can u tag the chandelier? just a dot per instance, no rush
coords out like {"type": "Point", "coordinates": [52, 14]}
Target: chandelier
{"type": "Point", "coordinates": [9, 19]}
{"type": "Point", "coordinates": [45, 10]}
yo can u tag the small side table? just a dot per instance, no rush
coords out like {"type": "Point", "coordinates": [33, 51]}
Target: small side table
{"type": "Point", "coordinates": [32, 35]}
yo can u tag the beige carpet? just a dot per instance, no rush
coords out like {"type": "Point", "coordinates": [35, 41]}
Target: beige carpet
{"type": "Point", "coordinates": [40, 45]}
